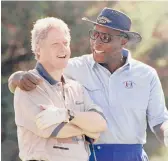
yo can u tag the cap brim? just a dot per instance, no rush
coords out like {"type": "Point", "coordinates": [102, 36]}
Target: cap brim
{"type": "Point", "coordinates": [133, 37]}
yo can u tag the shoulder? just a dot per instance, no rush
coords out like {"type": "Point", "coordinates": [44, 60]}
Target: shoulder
{"type": "Point", "coordinates": [82, 60]}
{"type": "Point", "coordinates": [143, 68]}
{"type": "Point", "coordinates": [80, 68]}
{"type": "Point", "coordinates": [142, 73]}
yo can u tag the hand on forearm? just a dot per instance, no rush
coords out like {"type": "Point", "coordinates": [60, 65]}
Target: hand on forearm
{"type": "Point", "coordinates": [56, 117]}
{"type": "Point", "coordinates": [51, 115]}
{"type": "Point", "coordinates": [84, 123]}
{"type": "Point", "coordinates": [90, 121]}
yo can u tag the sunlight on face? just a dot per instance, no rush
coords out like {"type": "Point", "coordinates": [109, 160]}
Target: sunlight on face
{"type": "Point", "coordinates": [54, 50]}
{"type": "Point", "coordinates": [104, 52]}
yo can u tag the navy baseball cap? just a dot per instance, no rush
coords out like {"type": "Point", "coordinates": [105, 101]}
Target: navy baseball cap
{"type": "Point", "coordinates": [118, 21]}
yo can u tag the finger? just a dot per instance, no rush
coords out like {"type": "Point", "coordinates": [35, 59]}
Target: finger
{"type": "Point", "coordinates": [30, 78]}
{"type": "Point", "coordinates": [47, 124]}
{"type": "Point", "coordinates": [41, 114]}
{"type": "Point", "coordinates": [28, 83]}
{"type": "Point", "coordinates": [34, 78]}
{"type": "Point", "coordinates": [39, 124]}
{"type": "Point", "coordinates": [42, 107]}
{"type": "Point", "coordinates": [24, 87]}
{"type": "Point", "coordinates": [43, 124]}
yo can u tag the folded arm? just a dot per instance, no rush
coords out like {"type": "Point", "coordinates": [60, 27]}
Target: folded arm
{"type": "Point", "coordinates": [91, 120]}
{"type": "Point", "coordinates": [27, 107]}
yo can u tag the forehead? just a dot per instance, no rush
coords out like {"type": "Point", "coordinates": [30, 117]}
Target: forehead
{"type": "Point", "coordinates": [106, 29]}
{"type": "Point", "coordinates": [56, 35]}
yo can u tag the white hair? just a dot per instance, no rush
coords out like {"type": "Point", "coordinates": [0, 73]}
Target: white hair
{"type": "Point", "coordinates": [43, 26]}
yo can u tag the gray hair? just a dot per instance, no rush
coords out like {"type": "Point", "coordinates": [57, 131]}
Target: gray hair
{"type": "Point", "coordinates": [41, 29]}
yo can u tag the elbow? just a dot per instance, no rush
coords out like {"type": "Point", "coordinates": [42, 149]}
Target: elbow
{"type": "Point", "coordinates": [101, 122]}
{"type": "Point", "coordinates": [102, 125]}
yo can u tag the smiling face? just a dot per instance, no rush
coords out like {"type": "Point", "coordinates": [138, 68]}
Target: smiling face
{"type": "Point", "coordinates": [107, 52]}
{"type": "Point", "coordinates": [54, 51]}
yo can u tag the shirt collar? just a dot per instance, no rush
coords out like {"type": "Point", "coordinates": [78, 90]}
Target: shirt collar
{"type": "Point", "coordinates": [39, 67]}
{"type": "Point", "coordinates": [126, 53]}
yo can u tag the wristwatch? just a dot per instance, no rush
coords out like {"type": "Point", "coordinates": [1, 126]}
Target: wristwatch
{"type": "Point", "coordinates": [71, 114]}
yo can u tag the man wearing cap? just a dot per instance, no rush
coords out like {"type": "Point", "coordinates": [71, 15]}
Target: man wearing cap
{"type": "Point", "coordinates": [128, 91]}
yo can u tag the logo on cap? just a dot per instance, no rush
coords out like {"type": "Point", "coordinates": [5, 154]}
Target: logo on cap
{"type": "Point", "coordinates": [103, 20]}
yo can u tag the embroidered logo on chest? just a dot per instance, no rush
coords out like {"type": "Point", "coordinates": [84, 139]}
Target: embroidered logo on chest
{"type": "Point", "coordinates": [79, 102]}
{"type": "Point", "coordinates": [129, 84]}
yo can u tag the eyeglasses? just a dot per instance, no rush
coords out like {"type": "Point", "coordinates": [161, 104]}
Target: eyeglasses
{"type": "Point", "coordinates": [104, 37]}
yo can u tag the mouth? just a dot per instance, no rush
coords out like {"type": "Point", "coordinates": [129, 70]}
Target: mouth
{"type": "Point", "coordinates": [61, 56]}
{"type": "Point", "coordinates": [98, 51]}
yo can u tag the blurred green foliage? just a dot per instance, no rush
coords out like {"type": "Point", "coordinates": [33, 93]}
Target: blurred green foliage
{"type": "Point", "coordinates": [150, 19]}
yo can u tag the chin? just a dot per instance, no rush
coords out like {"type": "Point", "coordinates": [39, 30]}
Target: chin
{"type": "Point", "coordinates": [62, 66]}
{"type": "Point", "coordinates": [98, 59]}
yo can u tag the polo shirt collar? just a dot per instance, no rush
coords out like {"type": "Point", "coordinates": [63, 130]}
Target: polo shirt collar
{"type": "Point", "coordinates": [39, 67]}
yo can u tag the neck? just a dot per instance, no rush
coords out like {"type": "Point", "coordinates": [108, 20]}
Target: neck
{"type": "Point", "coordinates": [113, 65]}
{"type": "Point", "coordinates": [54, 73]}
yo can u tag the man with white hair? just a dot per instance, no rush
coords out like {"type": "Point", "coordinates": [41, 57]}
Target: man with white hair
{"type": "Point", "coordinates": [128, 91]}
{"type": "Point", "coordinates": [53, 119]}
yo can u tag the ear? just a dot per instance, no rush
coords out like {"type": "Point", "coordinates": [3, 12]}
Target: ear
{"type": "Point", "coordinates": [124, 41]}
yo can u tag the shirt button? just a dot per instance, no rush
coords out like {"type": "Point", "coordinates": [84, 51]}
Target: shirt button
{"type": "Point", "coordinates": [98, 147]}
{"type": "Point", "coordinates": [58, 84]}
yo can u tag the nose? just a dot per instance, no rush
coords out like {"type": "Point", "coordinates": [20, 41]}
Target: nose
{"type": "Point", "coordinates": [98, 41]}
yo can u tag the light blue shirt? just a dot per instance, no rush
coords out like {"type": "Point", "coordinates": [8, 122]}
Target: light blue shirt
{"type": "Point", "coordinates": [129, 97]}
